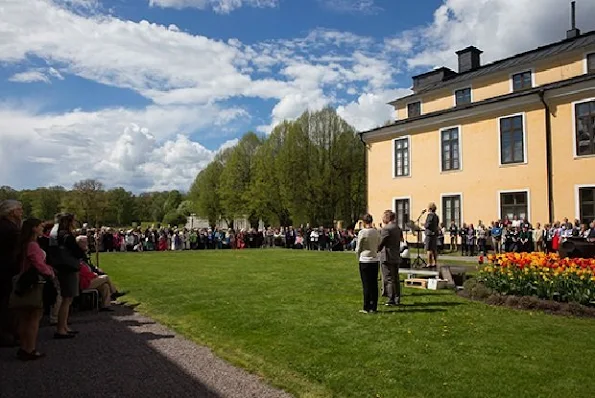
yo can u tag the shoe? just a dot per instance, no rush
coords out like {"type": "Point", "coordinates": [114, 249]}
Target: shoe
{"type": "Point", "coordinates": [363, 311]}
{"type": "Point", "coordinates": [118, 294]}
{"type": "Point", "coordinates": [106, 309]}
{"type": "Point", "coordinates": [60, 336]}
{"type": "Point", "coordinates": [75, 332]}
{"type": "Point", "coordinates": [29, 356]}
{"type": "Point", "coordinates": [390, 304]}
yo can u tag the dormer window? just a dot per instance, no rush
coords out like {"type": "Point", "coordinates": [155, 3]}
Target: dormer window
{"type": "Point", "coordinates": [591, 63]}
{"type": "Point", "coordinates": [463, 96]}
{"type": "Point", "coordinates": [522, 81]}
{"type": "Point", "coordinates": [414, 109]}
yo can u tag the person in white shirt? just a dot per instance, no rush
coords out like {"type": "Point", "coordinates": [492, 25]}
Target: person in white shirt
{"type": "Point", "coordinates": [369, 262]}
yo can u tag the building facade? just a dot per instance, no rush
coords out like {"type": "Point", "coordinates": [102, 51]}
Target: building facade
{"type": "Point", "coordinates": [515, 137]}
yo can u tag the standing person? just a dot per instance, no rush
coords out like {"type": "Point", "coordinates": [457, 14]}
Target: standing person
{"type": "Point", "coordinates": [431, 243]}
{"type": "Point", "coordinates": [367, 253]}
{"type": "Point", "coordinates": [463, 234]}
{"type": "Point", "coordinates": [496, 233]}
{"type": "Point", "coordinates": [391, 237]}
{"type": "Point", "coordinates": [482, 238]}
{"type": "Point", "coordinates": [65, 258]}
{"type": "Point", "coordinates": [31, 257]}
{"type": "Point", "coordinates": [454, 236]}
{"type": "Point", "coordinates": [11, 214]}
{"type": "Point", "coordinates": [538, 235]}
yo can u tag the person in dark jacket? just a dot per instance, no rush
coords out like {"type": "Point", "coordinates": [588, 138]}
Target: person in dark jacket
{"type": "Point", "coordinates": [11, 214]}
{"type": "Point", "coordinates": [431, 228]}
{"type": "Point", "coordinates": [62, 236]}
{"type": "Point", "coordinates": [389, 248]}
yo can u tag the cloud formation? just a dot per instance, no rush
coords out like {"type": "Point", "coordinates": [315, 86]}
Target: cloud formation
{"type": "Point", "coordinates": [219, 6]}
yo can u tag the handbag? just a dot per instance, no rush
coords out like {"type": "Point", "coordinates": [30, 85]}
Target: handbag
{"type": "Point", "coordinates": [30, 298]}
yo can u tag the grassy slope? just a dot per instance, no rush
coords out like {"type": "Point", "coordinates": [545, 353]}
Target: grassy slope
{"type": "Point", "coordinates": [292, 318]}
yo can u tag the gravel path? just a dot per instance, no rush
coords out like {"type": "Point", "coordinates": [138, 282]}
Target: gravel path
{"type": "Point", "coordinates": [124, 355]}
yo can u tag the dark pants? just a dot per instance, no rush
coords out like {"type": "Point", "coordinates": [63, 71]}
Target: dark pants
{"type": "Point", "coordinates": [390, 279]}
{"type": "Point", "coordinates": [369, 275]}
{"type": "Point", "coordinates": [8, 329]}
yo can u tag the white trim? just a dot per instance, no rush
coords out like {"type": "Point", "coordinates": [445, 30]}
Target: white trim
{"type": "Point", "coordinates": [460, 139]}
{"type": "Point", "coordinates": [421, 107]}
{"type": "Point", "coordinates": [585, 61]}
{"type": "Point", "coordinates": [532, 70]}
{"type": "Point", "coordinates": [525, 160]}
{"type": "Point", "coordinates": [577, 207]}
{"type": "Point", "coordinates": [408, 137]}
{"type": "Point", "coordinates": [573, 121]}
{"type": "Point", "coordinates": [395, 198]}
{"type": "Point", "coordinates": [460, 195]}
{"type": "Point", "coordinates": [454, 94]}
{"type": "Point", "coordinates": [526, 190]}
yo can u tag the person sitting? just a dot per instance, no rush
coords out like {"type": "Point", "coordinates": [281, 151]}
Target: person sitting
{"type": "Point", "coordinates": [89, 279]}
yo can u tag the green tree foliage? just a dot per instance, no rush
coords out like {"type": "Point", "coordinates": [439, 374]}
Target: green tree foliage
{"type": "Point", "coordinates": [310, 170]}
{"type": "Point", "coordinates": [174, 218]}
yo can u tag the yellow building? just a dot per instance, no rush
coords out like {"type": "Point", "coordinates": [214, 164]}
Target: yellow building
{"type": "Point", "coordinates": [513, 137]}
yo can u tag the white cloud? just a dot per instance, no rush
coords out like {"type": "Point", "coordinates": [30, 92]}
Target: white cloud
{"type": "Point", "coordinates": [352, 6]}
{"type": "Point", "coordinates": [144, 149]}
{"type": "Point", "coordinates": [219, 6]}
{"type": "Point", "coordinates": [500, 28]}
{"type": "Point", "coordinates": [31, 76]}
{"type": "Point", "coordinates": [371, 109]}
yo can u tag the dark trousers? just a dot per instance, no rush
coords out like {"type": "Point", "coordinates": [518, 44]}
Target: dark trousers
{"type": "Point", "coordinates": [369, 275]}
{"type": "Point", "coordinates": [390, 280]}
{"type": "Point", "coordinates": [8, 328]}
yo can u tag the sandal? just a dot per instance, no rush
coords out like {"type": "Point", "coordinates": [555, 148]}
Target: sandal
{"type": "Point", "coordinates": [29, 356]}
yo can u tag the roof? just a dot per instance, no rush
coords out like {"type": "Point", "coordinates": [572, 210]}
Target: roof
{"type": "Point", "coordinates": [532, 91]}
{"type": "Point", "coordinates": [537, 54]}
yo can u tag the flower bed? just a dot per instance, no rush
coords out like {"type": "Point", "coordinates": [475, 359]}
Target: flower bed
{"type": "Point", "coordinates": [546, 276]}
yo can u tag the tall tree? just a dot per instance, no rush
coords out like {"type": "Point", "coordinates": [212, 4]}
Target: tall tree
{"type": "Point", "coordinates": [205, 192]}
{"type": "Point", "coordinates": [47, 202]}
{"type": "Point", "coordinates": [121, 207]}
{"type": "Point", "coordinates": [88, 200]}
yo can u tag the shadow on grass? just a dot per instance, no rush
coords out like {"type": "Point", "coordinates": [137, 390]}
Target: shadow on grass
{"type": "Point", "coordinates": [434, 304]}
{"type": "Point", "coordinates": [404, 310]}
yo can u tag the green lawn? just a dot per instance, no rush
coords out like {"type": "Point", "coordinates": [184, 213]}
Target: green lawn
{"type": "Point", "coordinates": [293, 318]}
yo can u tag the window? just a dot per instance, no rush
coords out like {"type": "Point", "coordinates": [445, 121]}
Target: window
{"type": "Point", "coordinates": [585, 128]}
{"type": "Point", "coordinates": [451, 209]}
{"type": "Point", "coordinates": [463, 96]}
{"type": "Point", "coordinates": [401, 157]}
{"type": "Point", "coordinates": [402, 211]}
{"type": "Point", "coordinates": [512, 147]}
{"type": "Point", "coordinates": [591, 63]}
{"type": "Point", "coordinates": [586, 203]}
{"type": "Point", "coordinates": [514, 204]}
{"type": "Point", "coordinates": [414, 109]}
{"type": "Point", "coordinates": [450, 149]}
{"type": "Point", "coordinates": [521, 81]}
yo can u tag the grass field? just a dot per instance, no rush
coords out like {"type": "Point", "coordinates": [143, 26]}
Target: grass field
{"type": "Point", "coordinates": [293, 318]}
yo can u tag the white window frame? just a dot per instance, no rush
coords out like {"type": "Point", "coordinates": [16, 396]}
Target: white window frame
{"type": "Point", "coordinates": [460, 129]}
{"type": "Point", "coordinates": [511, 80]}
{"type": "Point", "coordinates": [526, 190]}
{"type": "Point", "coordinates": [408, 137]}
{"type": "Point", "coordinates": [460, 195]}
{"type": "Point", "coordinates": [577, 205]}
{"type": "Point", "coordinates": [525, 143]}
{"type": "Point", "coordinates": [574, 104]}
{"type": "Point", "coordinates": [394, 207]}
{"type": "Point", "coordinates": [585, 63]}
{"type": "Point", "coordinates": [454, 94]}
{"type": "Point", "coordinates": [421, 107]}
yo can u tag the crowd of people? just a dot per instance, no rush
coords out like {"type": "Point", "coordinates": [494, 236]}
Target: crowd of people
{"type": "Point", "coordinates": [43, 266]}
{"type": "Point", "coordinates": [516, 235]}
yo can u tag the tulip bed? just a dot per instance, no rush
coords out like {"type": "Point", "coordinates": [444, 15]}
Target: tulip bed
{"type": "Point", "coordinates": [546, 276]}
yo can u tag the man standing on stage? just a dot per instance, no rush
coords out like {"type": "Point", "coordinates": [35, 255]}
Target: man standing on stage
{"type": "Point", "coordinates": [431, 229]}
{"type": "Point", "coordinates": [391, 237]}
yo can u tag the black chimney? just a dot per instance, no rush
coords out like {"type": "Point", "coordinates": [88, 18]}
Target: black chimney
{"type": "Point", "coordinates": [469, 59]}
{"type": "Point", "coordinates": [573, 32]}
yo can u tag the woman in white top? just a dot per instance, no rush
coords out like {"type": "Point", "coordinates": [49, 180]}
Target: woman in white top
{"type": "Point", "coordinates": [366, 250]}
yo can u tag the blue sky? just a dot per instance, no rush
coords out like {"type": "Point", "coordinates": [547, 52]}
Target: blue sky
{"type": "Point", "coordinates": [143, 93]}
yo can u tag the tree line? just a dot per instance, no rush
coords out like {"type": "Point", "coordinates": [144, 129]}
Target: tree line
{"type": "Point", "coordinates": [310, 170]}
{"type": "Point", "coordinates": [95, 205]}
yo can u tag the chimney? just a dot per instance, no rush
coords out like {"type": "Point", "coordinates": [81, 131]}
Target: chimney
{"type": "Point", "coordinates": [469, 59]}
{"type": "Point", "coordinates": [573, 32]}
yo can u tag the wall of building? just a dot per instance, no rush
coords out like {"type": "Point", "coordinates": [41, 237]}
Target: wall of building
{"type": "Point", "coordinates": [479, 180]}
{"type": "Point", "coordinates": [568, 171]}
